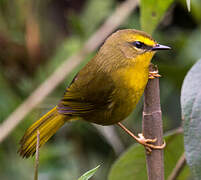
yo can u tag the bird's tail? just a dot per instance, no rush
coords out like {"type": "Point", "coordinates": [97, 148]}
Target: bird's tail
{"type": "Point", "coordinates": [47, 126]}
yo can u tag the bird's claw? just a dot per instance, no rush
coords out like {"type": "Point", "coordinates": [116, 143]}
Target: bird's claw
{"type": "Point", "coordinates": [154, 74]}
{"type": "Point", "coordinates": [146, 143]}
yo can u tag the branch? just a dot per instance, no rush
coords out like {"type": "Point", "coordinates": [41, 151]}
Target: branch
{"type": "Point", "coordinates": [119, 16]}
{"type": "Point", "coordinates": [178, 168]}
{"type": "Point", "coordinates": [37, 156]}
{"type": "Point", "coordinates": [152, 128]}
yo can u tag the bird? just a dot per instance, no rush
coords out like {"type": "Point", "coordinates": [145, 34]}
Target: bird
{"type": "Point", "coordinates": [105, 91]}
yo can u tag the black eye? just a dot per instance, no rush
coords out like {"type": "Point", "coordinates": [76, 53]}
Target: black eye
{"type": "Point", "coordinates": [138, 44]}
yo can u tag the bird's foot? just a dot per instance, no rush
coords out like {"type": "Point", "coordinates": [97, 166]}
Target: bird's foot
{"type": "Point", "coordinates": [154, 74]}
{"type": "Point", "coordinates": [147, 143]}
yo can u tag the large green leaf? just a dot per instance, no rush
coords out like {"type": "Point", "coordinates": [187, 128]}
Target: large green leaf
{"type": "Point", "coordinates": [132, 164]}
{"type": "Point", "coordinates": [151, 13]}
{"type": "Point", "coordinates": [191, 114]}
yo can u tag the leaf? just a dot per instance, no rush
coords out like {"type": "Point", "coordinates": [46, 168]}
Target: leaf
{"type": "Point", "coordinates": [89, 173]}
{"type": "Point", "coordinates": [191, 114]}
{"type": "Point", "coordinates": [151, 13]}
{"type": "Point", "coordinates": [188, 2]}
{"type": "Point", "coordinates": [132, 164]}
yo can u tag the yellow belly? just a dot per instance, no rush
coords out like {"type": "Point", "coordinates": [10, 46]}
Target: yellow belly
{"type": "Point", "coordinates": [130, 84]}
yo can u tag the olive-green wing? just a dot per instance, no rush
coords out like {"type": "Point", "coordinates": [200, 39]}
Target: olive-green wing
{"type": "Point", "coordinates": [89, 91]}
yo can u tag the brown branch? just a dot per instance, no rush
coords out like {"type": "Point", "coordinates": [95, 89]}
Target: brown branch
{"type": "Point", "coordinates": [152, 128]}
{"type": "Point", "coordinates": [37, 156]}
{"type": "Point", "coordinates": [178, 168]}
{"type": "Point", "coordinates": [119, 15]}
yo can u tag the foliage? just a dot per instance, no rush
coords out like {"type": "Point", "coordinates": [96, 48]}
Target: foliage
{"type": "Point", "coordinates": [188, 2]}
{"type": "Point", "coordinates": [191, 114]}
{"type": "Point", "coordinates": [89, 174]}
{"type": "Point", "coordinates": [131, 165]}
{"type": "Point", "coordinates": [151, 13]}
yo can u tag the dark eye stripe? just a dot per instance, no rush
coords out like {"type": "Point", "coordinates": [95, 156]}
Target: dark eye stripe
{"type": "Point", "coordinates": [141, 45]}
{"type": "Point", "coordinates": [138, 44]}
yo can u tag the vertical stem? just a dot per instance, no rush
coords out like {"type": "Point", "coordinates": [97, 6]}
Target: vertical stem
{"type": "Point", "coordinates": [178, 168]}
{"type": "Point", "coordinates": [152, 128]}
{"type": "Point", "coordinates": [37, 156]}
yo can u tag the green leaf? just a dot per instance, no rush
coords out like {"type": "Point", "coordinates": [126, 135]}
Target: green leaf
{"type": "Point", "coordinates": [188, 2]}
{"type": "Point", "coordinates": [132, 164]}
{"type": "Point", "coordinates": [89, 173]}
{"type": "Point", "coordinates": [151, 13]}
{"type": "Point", "coordinates": [191, 114]}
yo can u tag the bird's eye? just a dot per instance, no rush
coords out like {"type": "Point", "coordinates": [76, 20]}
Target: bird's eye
{"type": "Point", "coordinates": [138, 44]}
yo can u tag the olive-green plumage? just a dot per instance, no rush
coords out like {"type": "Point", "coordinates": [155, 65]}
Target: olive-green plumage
{"type": "Point", "coordinates": [105, 91]}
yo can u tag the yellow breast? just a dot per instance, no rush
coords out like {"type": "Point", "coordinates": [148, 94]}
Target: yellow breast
{"type": "Point", "coordinates": [133, 81]}
{"type": "Point", "coordinates": [135, 74]}
{"type": "Point", "coordinates": [130, 81]}
{"type": "Point", "coordinates": [130, 84]}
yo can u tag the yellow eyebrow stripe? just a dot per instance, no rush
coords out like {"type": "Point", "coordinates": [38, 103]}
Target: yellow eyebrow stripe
{"type": "Point", "coordinates": [145, 40]}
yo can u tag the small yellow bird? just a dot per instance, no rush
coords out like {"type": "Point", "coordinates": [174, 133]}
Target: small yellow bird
{"type": "Point", "coordinates": [105, 91]}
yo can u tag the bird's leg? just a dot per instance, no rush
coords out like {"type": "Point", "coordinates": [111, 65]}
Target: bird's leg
{"type": "Point", "coordinates": [142, 140]}
{"type": "Point", "coordinates": [154, 74]}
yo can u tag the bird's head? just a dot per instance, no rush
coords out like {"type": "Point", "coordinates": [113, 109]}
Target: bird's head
{"type": "Point", "coordinates": [134, 44]}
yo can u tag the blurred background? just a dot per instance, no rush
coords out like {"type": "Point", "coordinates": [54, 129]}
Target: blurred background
{"type": "Point", "coordinates": [37, 36]}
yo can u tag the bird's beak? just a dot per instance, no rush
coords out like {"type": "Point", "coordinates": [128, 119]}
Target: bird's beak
{"type": "Point", "coordinates": [160, 47]}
